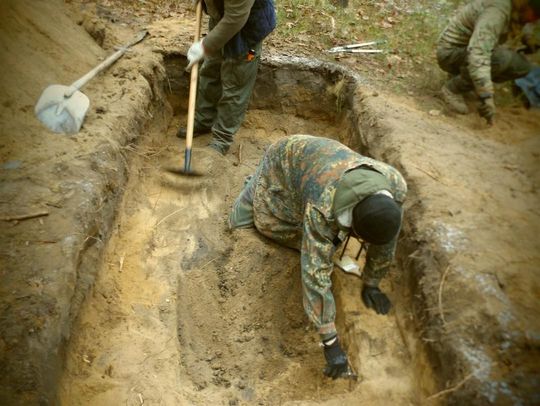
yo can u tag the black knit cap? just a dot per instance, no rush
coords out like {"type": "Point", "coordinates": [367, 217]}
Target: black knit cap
{"type": "Point", "coordinates": [377, 219]}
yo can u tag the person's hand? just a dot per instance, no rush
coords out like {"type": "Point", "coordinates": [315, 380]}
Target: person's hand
{"type": "Point", "coordinates": [195, 54]}
{"type": "Point", "coordinates": [487, 109]}
{"type": "Point", "coordinates": [374, 299]}
{"type": "Point", "coordinates": [336, 359]}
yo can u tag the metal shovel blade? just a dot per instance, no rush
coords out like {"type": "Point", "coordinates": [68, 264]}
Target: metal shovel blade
{"type": "Point", "coordinates": [61, 113]}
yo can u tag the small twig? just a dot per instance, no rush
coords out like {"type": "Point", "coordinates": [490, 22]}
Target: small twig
{"type": "Point", "coordinates": [441, 312]}
{"type": "Point", "coordinates": [91, 237]}
{"type": "Point", "coordinates": [157, 200]}
{"type": "Point", "coordinates": [240, 154]}
{"type": "Point", "coordinates": [44, 241]}
{"type": "Point", "coordinates": [167, 216]}
{"type": "Point", "coordinates": [208, 263]}
{"type": "Point", "coordinates": [169, 83]}
{"type": "Point", "coordinates": [121, 263]}
{"type": "Point", "coordinates": [452, 389]}
{"type": "Point", "coordinates": [428, 173]}
{"type": "Point", "coordinates": [25, 216]}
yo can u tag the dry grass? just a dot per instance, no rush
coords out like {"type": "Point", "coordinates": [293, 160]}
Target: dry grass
{"type": "Point", "coordinates": [407, 30]}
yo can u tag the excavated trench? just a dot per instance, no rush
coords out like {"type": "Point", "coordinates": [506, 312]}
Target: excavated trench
{"type": "Point", "coordinates": [184, 311]}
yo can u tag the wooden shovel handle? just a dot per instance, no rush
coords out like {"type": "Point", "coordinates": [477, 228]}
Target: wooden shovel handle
{"type": "Point", "coordinates": [193, 82]}
{"type": "Point", "coordinates": [105, 64]}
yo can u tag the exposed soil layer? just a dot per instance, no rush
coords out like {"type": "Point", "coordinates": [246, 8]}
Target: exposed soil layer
{"type": "Point", "coordinates": [185, 310]}
{"type": "Point", "coordinates": [160, 303]}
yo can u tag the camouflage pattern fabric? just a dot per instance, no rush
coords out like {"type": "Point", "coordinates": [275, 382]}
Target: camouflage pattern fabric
{"type": "Point", "coordinates": [505, 65]}
{"type": "Point", "coordinates": [477, 28]}
{"type": "Point", "coordinates": [293, 195]}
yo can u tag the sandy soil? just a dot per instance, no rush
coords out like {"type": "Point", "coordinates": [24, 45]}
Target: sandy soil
{"type": "Point", "coordinates": [233, 298]}
{"type": "Point", "coordinates": [130, 289]}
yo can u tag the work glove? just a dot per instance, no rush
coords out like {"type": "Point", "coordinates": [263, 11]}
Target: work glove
{"type": "Point", "coordinates": [374, 299]}
{"type": "Point", "coordinates": [336, 359]}
{"type": "Point", "coordinates": [487, 109]}
{"type": "Point", "coordinates": [195, 54]}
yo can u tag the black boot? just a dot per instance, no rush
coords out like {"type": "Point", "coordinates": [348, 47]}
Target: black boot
{"type": "Point", "coordinates": [182, 132]}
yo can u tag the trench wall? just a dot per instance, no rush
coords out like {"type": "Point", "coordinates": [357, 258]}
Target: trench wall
{"type": "Point", "coordinates": [303, 87]}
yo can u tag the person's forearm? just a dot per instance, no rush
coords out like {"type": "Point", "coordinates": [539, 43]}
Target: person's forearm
{"type": "Point", "coordinates": [378, 261]}
{"type": "Point", "coordinates": [489, 27]}
{"type": "Point", "coordinates": [319, 303]}
{"type": "Point", "coordinates": [236, 14]}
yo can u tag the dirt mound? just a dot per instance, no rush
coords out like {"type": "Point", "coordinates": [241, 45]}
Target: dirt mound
{"type": "Point", "coordinates": [49, 262]}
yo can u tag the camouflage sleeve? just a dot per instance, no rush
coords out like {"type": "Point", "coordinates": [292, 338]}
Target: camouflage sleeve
{"type": "Point", "coordinates": [317, 266]}
{"type": "Point", "coordinates": [378, 261]}
{"type": "Point", "coordinates": [488, 29]}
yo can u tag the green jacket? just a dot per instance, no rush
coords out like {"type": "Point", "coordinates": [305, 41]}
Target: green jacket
{"type": "Point", "coordinates": [480, 26]}
{"type": "Point", "coordinates": [303, 184]}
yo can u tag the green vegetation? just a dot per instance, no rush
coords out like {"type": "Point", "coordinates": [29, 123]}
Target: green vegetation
{"type": "Point", "coordinates": [407, 29]}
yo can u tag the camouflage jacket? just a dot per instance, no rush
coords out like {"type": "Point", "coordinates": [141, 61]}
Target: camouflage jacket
{"type": "Point", "coordinates": [480, 26]}
{"type": "Point", "coordinates": [293, 204]}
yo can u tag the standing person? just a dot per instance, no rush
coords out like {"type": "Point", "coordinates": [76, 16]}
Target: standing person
{"type": "Point", "coordinates": [310, 193]}
{"type": "Point", "coordinates": [469, 50]}
{"type": "Point", "coordinates": [231, 51]}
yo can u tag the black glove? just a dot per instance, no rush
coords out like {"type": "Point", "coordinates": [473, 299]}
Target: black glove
{"type": "Point", "coordinates": [375, 299]}
{"type": "Point", "coordinates": [487, 109]}
{"type": "Point", "coordinates": [336, 359]}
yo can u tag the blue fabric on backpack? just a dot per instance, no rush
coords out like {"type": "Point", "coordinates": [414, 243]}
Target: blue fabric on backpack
{"type": "Point", "coordinates": [530, 85]}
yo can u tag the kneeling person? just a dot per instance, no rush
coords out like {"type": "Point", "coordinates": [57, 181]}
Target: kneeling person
{"type": "Point", "coordinates": [310, 193]}
{"type": "Point", "coordinates": [470, 50]}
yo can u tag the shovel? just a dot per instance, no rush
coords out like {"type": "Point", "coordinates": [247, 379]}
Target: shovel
{"type": "Point", "coordinates": [187, 170]}
{"type": "Point", "coordinates": [62, 108]}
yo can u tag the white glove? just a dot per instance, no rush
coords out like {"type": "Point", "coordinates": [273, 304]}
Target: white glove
{"type": "Point", "coordinates": [195, 54]}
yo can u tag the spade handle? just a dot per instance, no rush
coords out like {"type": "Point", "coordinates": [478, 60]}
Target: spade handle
{"type": "Point", "coordinates": [104, 65]}
{"type": "Point", "coordinates": [193, 83]}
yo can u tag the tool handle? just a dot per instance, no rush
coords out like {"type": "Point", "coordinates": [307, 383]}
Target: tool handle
{"type": "Point", "coordinates": [193, 84]}
{"type": "Point", "coordinates": [104, 65]}
{"type": "Point", "coordinates": [364, 51]}
{"type": "Point", "coordinates": [363, 44]}
{"type": "Point", "coordinates": [348, 48]}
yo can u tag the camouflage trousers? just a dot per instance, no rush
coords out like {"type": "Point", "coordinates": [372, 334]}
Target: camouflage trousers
{"type": "Point", "coordinates": [505, 65]}
{"type": "Point", "coordinates": [247, 212]}
{"type": "Point", "coordinates": [223, 94]}
{"type": "Point", "coordinates": [242, 215]}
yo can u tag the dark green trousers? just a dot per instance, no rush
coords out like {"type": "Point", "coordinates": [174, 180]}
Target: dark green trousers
{"type": "Point", "coordinates": [505, 65]}
{"type": "Point", "coordinates": [224, 91]}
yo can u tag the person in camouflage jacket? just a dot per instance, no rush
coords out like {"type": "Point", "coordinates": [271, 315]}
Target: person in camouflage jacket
{"type": "Point", "coordinates": [310, 193]}
{"type": "Point", "coordinates": [470, 50]}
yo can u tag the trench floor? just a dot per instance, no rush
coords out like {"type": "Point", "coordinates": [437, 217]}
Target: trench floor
{"type": "Point", "coordinates": [186, 312]}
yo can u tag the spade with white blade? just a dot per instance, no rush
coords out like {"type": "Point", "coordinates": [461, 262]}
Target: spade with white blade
{"type": "Point", "coordinates": [62, 108]}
